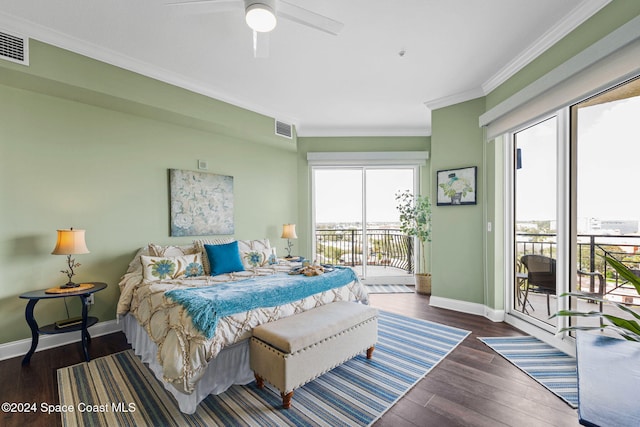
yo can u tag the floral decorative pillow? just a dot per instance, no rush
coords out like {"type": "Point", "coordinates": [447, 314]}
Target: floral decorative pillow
{"type": "Point", "coordinates": [254, 253]}
{"type": "Point", "coordinates": [254, 259]}
{"type": "Point", "coordinates": [164, 268]}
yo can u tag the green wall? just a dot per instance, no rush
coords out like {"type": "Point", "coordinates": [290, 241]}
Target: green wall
{"type": "Point", "coordinates": [77, 156]}
{"type": "Point", "coordinates": [457, 238]}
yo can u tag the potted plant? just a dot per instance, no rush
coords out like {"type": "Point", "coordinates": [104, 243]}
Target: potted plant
{"type": "Point", "coordinates": [608, 367]}
{"type": "Point", "coordinates": [415, 221]}
{"type": "Point", "coordinates": [627, 329]}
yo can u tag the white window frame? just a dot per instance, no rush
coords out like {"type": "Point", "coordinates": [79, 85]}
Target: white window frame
{"type": "Point", "coordinates": [564, 239]}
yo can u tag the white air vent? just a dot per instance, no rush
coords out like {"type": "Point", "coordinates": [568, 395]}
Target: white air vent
{"type": "Point", "coordinates": [284, 129]}
{"type": "Point", "coordinates": [14, 48]}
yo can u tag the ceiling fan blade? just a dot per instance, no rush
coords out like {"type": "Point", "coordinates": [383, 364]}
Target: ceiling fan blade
{"type": "Point", "coordinates": [260, 45]}
{"type": "Point", "coordinates": [306, 17]}
{"type": "Point", "coordinates": [207, 6]}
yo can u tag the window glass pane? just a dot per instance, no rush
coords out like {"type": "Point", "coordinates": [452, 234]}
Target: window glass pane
{"type": "Point", "coordinates": [608, 204]}
{"type": "Point", "coordinates": [390, 251]}
{"type": "Point", "coordinates": [357, 221]}
{"type": "Point", "coordinates": [338, 216]}
{"type": "Point", "coordinates": [535, 187]}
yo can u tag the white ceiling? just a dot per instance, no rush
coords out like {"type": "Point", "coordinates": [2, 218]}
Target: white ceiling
{"type": "Point", "coordinates": [355, 83]}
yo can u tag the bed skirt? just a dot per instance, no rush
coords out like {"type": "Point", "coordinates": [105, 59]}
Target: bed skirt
{"type": "Point", "coordinates": [231, 366]}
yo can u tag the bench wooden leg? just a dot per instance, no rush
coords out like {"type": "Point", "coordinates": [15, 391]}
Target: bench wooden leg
{"type": "Point", "coordinates": [370, 352]}
{"type": "Point", "coordinates": [259, 380]}
{"type": "Point", "coordinates": [286, 399]}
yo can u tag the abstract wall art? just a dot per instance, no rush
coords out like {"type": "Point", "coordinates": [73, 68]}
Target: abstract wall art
{"type": "Point", "coordinates": [201, 203]}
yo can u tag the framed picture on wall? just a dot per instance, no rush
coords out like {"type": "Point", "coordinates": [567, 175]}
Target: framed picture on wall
{"type": "Point", "coordinates": [457, 186]}
{"type": "Point", "coordinates": [201, 203]}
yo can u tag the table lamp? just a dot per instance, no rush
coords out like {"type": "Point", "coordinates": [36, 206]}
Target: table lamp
{"type": "Point", "coordinates": [70, 242]}
{"type": "Point", "coordinates": [289, 232]}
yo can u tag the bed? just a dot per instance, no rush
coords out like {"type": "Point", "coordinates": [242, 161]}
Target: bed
{"type": "Point", "coordinates": [193, 339]}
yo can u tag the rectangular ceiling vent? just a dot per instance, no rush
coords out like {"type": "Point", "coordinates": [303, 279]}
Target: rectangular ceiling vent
{"type": "Point", "coordinates": [14, 48]}
{"type": "Point", "coordinates": [284, 129]}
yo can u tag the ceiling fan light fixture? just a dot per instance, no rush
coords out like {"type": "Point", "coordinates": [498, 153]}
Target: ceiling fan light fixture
{"type": "Point", "coordinates": [260, 17]}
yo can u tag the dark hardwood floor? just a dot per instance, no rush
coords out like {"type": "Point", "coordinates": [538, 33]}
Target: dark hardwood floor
{"type": "Point", "coordinates": [473, 386]}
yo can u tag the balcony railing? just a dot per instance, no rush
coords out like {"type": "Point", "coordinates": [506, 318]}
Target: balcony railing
{"type": "Point", "coordinates": [393, 248]}
{"type": "Point", "coordinates": [386, 247]}
{"type": "Point", "coordinates": [590, 257]}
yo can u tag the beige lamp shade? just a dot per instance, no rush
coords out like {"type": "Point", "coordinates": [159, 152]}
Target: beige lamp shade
{"type": "Point", "coordinates": [289, 231]}
{"type": "Point", "coordinates": [70, 242]}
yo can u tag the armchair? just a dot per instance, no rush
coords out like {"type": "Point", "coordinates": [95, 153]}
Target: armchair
{"type": "Point", "coordinates": [541, 276]}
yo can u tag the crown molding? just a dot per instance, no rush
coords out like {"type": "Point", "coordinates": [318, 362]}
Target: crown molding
{"type": "Point", "coordinates": [581, 13]}
{"type": "Point", "coordinates": [457, 98]}
{"type": "Point", "coordinates": [570, 22]}
{"type": "Point", "coordinates": [321, 131]}
{"type": "Point", "coordinates": [46, 35]}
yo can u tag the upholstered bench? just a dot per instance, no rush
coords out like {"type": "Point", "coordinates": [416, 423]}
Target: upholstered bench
{"type": "Point", "coordinates": [294, 350]}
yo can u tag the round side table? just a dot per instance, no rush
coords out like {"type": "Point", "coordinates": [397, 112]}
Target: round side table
{"type": "Point", "coordinates": [86, 322]}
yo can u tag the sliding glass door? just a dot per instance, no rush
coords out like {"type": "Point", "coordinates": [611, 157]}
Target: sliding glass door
{"type": "Point", "coordinates": [607, 149]}
{"type": "Point", "coordinates": [535, 213]}
{"type": "Point", "coordinates": [573, 201]}
{"type": "Point", "coordinates": [356, 222]}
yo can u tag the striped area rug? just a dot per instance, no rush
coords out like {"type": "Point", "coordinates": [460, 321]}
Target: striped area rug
{"type": "Point", "coordinates": [551, 367]}
{"type": "Point", "coordinates": [389, 289]}
{"type": "Point", "coordinates": [123, 392]}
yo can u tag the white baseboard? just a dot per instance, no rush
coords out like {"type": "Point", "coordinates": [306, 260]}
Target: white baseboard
{"type": "Point", "coordinates": [467, 307]}
{"type": "Point", "coordinates": [494, 315]}
{"type": "Point", "coordinates": [21, 347]}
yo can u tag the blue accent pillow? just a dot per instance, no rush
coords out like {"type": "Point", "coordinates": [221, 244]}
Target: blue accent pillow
{"type": "Point", "coordinates": [224, 258]}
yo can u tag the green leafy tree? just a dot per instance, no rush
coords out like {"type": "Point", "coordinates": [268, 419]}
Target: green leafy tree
{"type": "Point", "coordinates": [415, 218]}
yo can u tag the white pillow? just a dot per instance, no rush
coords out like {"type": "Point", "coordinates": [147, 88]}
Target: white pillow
{"type": "Point", "coordinates": [254, 253]}
{"type": "Point", "coordinates": [162, 268]}
{"type": "Point", "coordinates": [159, 250]}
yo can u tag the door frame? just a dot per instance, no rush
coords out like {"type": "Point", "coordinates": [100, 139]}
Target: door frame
{"type": "Point", "coordinates": [565, 270]}
{"type": "Point", "coordinates": [366, 160]}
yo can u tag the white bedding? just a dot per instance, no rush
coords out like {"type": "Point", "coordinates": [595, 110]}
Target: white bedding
{"type": "Point", "coordinates": [181, 351]}
{"type": "Point", "coordinates": [230, 367]}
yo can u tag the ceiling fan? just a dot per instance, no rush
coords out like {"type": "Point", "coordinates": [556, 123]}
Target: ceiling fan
{"type": "Point", "coordinates": [262, 17]}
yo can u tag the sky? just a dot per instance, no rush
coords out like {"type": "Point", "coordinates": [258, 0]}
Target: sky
{"type": "Point", "coordinates": [608, 159]}
{"type": "Point", "coordinates": [338, 194]}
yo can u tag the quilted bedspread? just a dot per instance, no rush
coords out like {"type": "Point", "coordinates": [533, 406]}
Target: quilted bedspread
{"type": "Point", "coordinates": [183, 351]}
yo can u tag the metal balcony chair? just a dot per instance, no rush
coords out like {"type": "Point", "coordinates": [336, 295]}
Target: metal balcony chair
{"type": "Point", "coordinates": [541, 276]}
{"type": "Point", "coordinates": [521, 286]}
{"type": "Point", "coordinates": [596, 288]}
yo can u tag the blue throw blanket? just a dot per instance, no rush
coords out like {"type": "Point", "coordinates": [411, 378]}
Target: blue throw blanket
{"type": "Point", "coordinates": [206, 305]}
